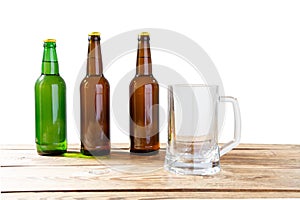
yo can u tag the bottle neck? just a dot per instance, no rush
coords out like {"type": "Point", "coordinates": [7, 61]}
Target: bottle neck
{"type": "Point", "coordinates": [144, 63]}
{"type": "Point", "coordinates": [50, 63]}
{"type": "Point", "coordinates": [94, 61]}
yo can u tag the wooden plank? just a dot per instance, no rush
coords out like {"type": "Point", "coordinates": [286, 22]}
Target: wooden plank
{"type": "Point", "coordinates": [103, 178]}
{"type": "Point", "coordinates": [70, 146]}
{"type": "Point", "coordinates": [126, 145]}
{"type": "Point", "coordinates": [17, 146]}
{"type": "Point", "coordinates": [250, 170]}
{"type": "Point", "coordinates": [149, 195]}
{"type": "Point", "coordinates": [278, 158]}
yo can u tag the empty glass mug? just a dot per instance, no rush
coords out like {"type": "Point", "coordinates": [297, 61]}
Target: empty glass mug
{"type": "Point", "coordinates": [192, 146]}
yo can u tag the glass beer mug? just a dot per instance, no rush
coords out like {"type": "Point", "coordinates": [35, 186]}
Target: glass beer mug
{"type": "Point", "coordinates": [192, 146]}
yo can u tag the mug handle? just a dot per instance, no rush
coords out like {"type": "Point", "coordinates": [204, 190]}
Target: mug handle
{"type": "Point", "coordinates": [237, 125]}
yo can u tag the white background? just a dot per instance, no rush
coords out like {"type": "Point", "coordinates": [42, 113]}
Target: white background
{"type": "Point", "coordinates": [255, 46]}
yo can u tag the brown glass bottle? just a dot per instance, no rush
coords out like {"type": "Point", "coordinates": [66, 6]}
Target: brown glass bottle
{"type": "Point", "coordinates": [94, 103]}
{"type": "Point", "coordinates": [144, 101]}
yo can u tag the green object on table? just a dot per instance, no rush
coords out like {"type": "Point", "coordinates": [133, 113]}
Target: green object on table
{"type": "Point", "coordinates": [50, 105]}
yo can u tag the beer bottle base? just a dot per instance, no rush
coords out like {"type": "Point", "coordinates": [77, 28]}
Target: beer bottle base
{"type": "Point", "coordinates": [51, 150]}
{"type": "Point", "coordinates": [97, 152]}
{"type": "Point", "coordinates": [145, 152]}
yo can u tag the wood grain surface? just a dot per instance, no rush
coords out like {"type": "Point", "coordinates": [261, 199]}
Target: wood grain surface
{"type": "Point", "coordinates": [248, 171]}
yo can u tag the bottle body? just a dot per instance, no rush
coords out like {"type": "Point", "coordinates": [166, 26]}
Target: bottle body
{"type": "Point", "coordinates": [94, 104]}
{"type": "Point", "coordinates": [144, 102]}
{"type": "Point", "coordinates": [95, 125]}
{"type": "Point", "coordinates": [144, 122]}
{"type": "Point", "coordinates": [50, 109]}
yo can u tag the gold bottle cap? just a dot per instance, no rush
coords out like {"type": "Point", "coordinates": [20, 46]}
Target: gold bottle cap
{"type": "Point", "coordinates": [50, 40]}
{"type": "Point", "coordinates": [94, 34]}
{"type": "Point", "coordinates": [144, 34]}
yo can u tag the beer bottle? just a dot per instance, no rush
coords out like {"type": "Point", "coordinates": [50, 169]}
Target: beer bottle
{"type": "Point", "coordinates": [50, 105]}
{"type": "Point", "coordinates": [144, 100]}
{"type": "Point", "coordinates": [94, 103]}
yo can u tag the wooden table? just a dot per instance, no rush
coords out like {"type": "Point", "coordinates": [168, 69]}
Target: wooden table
{"type": "Point", "coordinates": [249, 171]}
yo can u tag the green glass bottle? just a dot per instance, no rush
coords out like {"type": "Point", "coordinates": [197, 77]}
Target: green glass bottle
{"type": "Point", "coordinates": [50, 105]}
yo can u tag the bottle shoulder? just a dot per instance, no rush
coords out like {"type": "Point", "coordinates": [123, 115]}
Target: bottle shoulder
{"type": "Point", "coordinates": [143, 80]}
{"type": "Point", "coordinates": [94, 80]}
{"type": "Point", "coordinates": [46, 79]}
